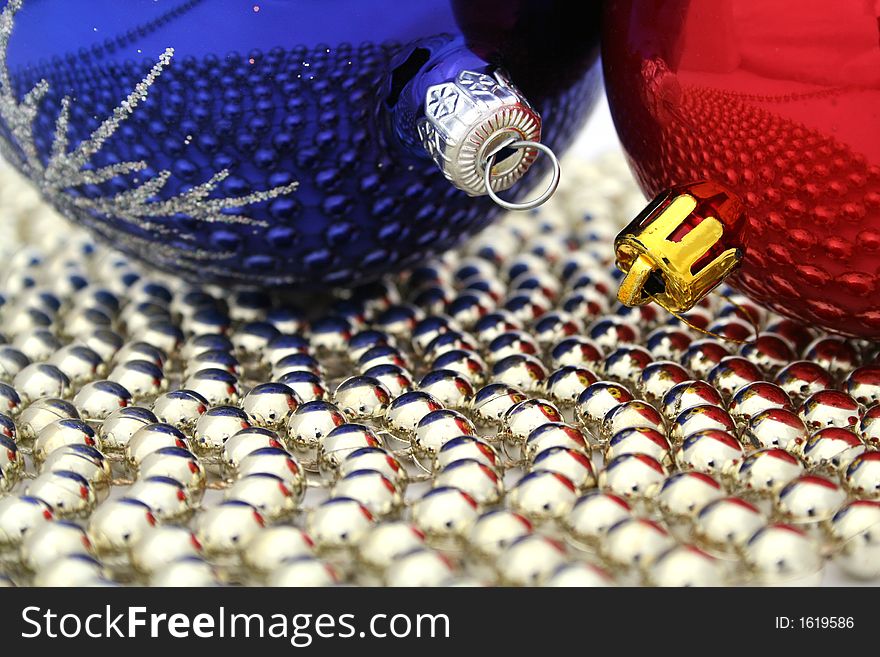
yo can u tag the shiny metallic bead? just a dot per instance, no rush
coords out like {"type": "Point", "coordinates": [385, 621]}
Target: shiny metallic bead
{"type": "Point", "coordinates": [446, 341]}
{"type": "Point", "coordinates": [69, 494]}
{"type": "Point", "coordinates": [520, 420]}
{"type": "Point", "coordinates": [554, 326]}
{"type": "Point", "coordinates": [683, 494]}
{"type": "Point", "coordinates": [554, 434]}
{"type": "Point", "coordinates": [572, 463]}
{"type": "Point", "coordinates": [371, 488]}
{"type": "Point", "coordinates": [482, 482]}
{"type": "Point", "coordinates": [118, 428]}
{"type": "Point", "coordinates": [158, 546]}
{"type": "Point", "coordinates": [148, 439]}
{"type": "Point", "coordinates": [47, 541]}
{"type": "Point", "coordinates": [667, 343]}
{"type": "Point", "coordinates": [863, 385]}
{"type": "Point", "coordinates": [632, 476]}
{"type": "Point", "coordinates": [688, 394]}
{"type": "Point", "coordinates": [268, 405]}
{"type": "Point", "coordinates": [520, 371]}
{"type": "Point", "coordinates": [253, 337]}
{"type": "Point", "coordinates": [776, 427]}
{"type": "Point", "coordinates": [686, 565]}
{"type": "Point", "coordinates": [37, 344]}
{"type": "Point", "coordinates": [243, 442]}
{"type": "Point", "coordinates": [834, 354]}
{"type": "Point", "coordinates": [383, 355]}
{"type": "Point", "coordinates": [781, 554]}
{"type": "Point", "coordinates": [809, 499]}
{"type": "Point", "coordinates": [543, 496]}
{"type": "Point", "coordinates": [420, 567]}
{"type": "Point", "coordinates": [11, 463]}
{"type": "Point", "coordinates": [374, 458]}
{"type": "Point", "coordinates": [218, 359]}
{"type": "Point", "coordinates": [565, 385]}
{"type": "Point", "coordinates": [712, 451]}
{"type": "Point", "coordinates": [38, 381]}
{"type": "Point", "coordinates": [267, 493]}
{"type": "Point", "coordinates": [103, 342]}
{"type": "Point", "coordinates": [177, 463]}
{"type": "Point", "coordinates": [387, 542]}
{"type": "Point", "coordinates": [41, 413]}
{"type": "Point", "coordinates": [330, 334]}
{"type": "Point", "coordinates": [630, 415]}
{"type": "Point", "coordinates": [496, 323]}
{"type": "Point", "coordinates": [140, 378]}
{"type": "Point", "coordinates": [161, 334]}
{"type": "Point", "coordinates": [396, 379]}
{"type": "Point", "coordinates": [19, 515]}
{"type": "Point", "coordinates": [640, 440]}
{"type": "Point", "coordinates": [634, 543]}
{"type": "Point", "coordinates": [287, 319]}
{"type": "Point", "coordinates": [530, 560]}
{"type": "Point", "coordinates": [732, 373]}
{"type": "Point", "coordinates": [140, 351]}
{"type": "Point", "coordinates": [702, 356]}
{"type": "Point", "coordinates": [307, 385]}
{"type": "Point", "coordinates": [802, 378]}
{"type": "Point", "coordinates": [855, 529]}
{"type": "Point", "coordinates": [511, 343]}
{"type": "Point", "coordinates": [227, 527]}
{"type": "Point", "coordinates": [79, 363]}
{"type": "Point", "coordinates": [831, 450]}
{"type": "Point", "coordinates": [429, 328]}
{"type": "Point", "coordinates": [626, 364]}
{"type": "Point", "coordinates": [593, 514]}
{"type": "Point", "coordinates": [579, 574]}
{"type": "Point", "coordinates": [311, 423]}
{"type": "Point", "coordinates": [463, 361]}
{"type": "Point", "coordinates": [186, 571]}
{"type": "Point", "coordinates": [7, 427]}
{"type": "Point", "coordinates": [576, 351]}
{"type": "Point", "coordinates": [862, 476]}
{"type": "Point", "coordinates": [215, 385]}
{"type": "Point", "coordinates": [85, 461]}
{"type": "Point", "coordinates": [868, 430]}
{"type": "Point", "coordinates": [78, 570]}
{"type": "Point", "coordinates": [360, 343]}
{"type": "Point", "coordinates": [362, 398]}
{"type": "Point", "coordinates": [438, 427]}
{"type": "Point", "coordinates": [700, 418]}
{"type": "Point", "coordinates": [197, 344]}
{"type": "Point", "coordinates": [299, 362]}
{"type": "Point", "coordinates": [727, 523]}
{"type": "Point", "coordinates": [10, 401]}
{"type": "Point", "coordinates": [445, 513]}
{"type": "Point", "coordinates": [451, 389]}
{"type": "Point", "coordinates": [303, 571]}
{"type": "Point", "coordinates": [342, 441]}
{"type": "Point", "coordinates": [597, 401]}
{"type": "Point", "coordinates": [406, 411]}
{"type": "Point", "coordinates": [766, 471]}
{"type": "Point", "coordinates": [283, 345]}
{"type": "Point", "coordinates": [118, 524]}
{"type": "Point", "coordinates": [492, 402]}
{"type": "Point", "coordinates": [98, 399]}
{"type": "Point", "coordinates": [494, 531]}
{"type": "Point", "coordinates": [167, 498]}
{"type": "Point", "coordinates": [610, 332]}
{"type": "Point", "coordinates": [755, 398]}
{"type": "Point", "coordinates": [829, 408]}
{"type": "Point", "coordinates": [274, 461]}
{"type": "Point", "coordinates": [467, 447]}
{"type": "Point", "coordinates": [657, 378]}
{"type": "Point", "coordinates": [12, 361]}
{"type": "Point", "coordinates": [216, 425]}
{"type": "Point", "coordinates": [63, 432]}
{"type": "Point", "coordinates": [339, 523]}
{"type": "Point", "coordinates": [180, 408]}
{"type": "Point", "coordinates": [768, 351]}
{"type": "Point", "coordinates": [273, 545]}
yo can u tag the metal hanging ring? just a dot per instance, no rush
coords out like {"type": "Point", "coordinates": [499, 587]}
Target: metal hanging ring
{"type": "Point", "coordinates": [525, 205]}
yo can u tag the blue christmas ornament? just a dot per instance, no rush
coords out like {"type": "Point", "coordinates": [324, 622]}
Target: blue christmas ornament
{"type": "Point", "coordinates": [281, 141]}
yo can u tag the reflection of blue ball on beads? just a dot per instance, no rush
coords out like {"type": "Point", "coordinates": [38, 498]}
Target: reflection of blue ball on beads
{"type": "Point", "coordinates": [267, 149]}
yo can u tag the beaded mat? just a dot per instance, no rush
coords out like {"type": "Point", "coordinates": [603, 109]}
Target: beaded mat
{"type": "Point", "coordinates": [493, 417]}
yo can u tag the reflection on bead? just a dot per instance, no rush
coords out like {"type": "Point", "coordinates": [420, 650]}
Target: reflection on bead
{"type": "Point", "coordinates": [227, 527]}
{"type": "Point", "coordinates": [862, 476]}
{"type": "Point", "coordinates": [700, 418]}
{"type": "Point", "coordinates": [272, 546]}
{"type": "Point", "coordinates": [420, 567]}
{"type": "Point", "coordinates": [831, 449]}
{"type": "Point", "coordinates": [855, 528]}
{"type": "Point", "coordinates": [780, 554]}
{"type": "Point", "coordinates": [776, 427]}
{"type": "Point", "coordinates": [530, 560]}
{"type": "Point", "coordinates": [766, 471]}
{"type": "Point", "coordinates": [634, 543]}
{"type": "Point", "coordinates": [339, 523]}
{"type": "Point", "coordinates": [829, 408]}
{"type": "Point", "coordinates": [579, 574]}
{"type": "Point", "coordinates": [445, 513]}
{"type": "Point", "coordinates": [711, 451]}
{"type": "Point", "coordinates": [385, 543]}
{"type": "Point", "coordinates": [727, 523]}
{"type": "Point", "coordinates": [19, 515]}
{"type": "Point", "coordinates": [158, 546]}
{"type": "Point", "coordinates": [686, 565]}
{"type": "Point", "coordinates": [118, 524]}
{"type": "Point", "coordinates": [492, 402]}
{"type": "Point", "coordinates": [683, 494]}
{"type": "Point", "coordinates": [46, 541]}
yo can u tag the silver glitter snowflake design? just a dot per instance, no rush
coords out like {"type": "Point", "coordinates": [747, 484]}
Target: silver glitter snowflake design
{"type": "Point", "coordinates": [66, 167]}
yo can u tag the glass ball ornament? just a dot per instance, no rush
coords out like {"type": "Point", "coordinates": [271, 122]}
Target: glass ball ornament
{"type": "Point", "coordinates": [698, 100]}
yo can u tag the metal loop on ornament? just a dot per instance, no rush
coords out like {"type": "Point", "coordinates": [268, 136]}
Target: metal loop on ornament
{"type": "Point", "coordinates": [519, 145]}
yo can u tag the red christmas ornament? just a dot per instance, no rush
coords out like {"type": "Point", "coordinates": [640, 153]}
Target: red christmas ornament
{"type": "Point", "coordinates": [777, 105]}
